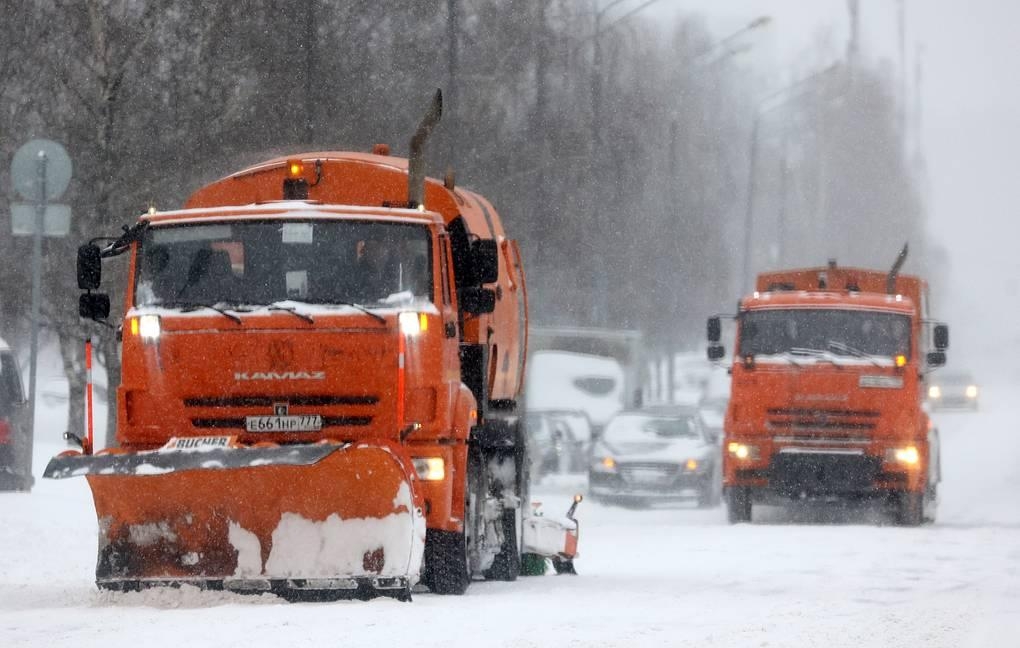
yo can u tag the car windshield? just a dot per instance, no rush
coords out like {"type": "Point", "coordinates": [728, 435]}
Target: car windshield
{"type": "Point", "coordinates": [842, 332]}
{"type": "Point", "coordinates": [954, 379]}
{"type": "Point", "coordinates": [649, 427]}
{"type": "Point", "coordinates": [263, 262]}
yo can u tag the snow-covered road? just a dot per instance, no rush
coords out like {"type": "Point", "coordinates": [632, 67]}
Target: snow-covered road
{"type": "Point", "coordinates": [663, 577]}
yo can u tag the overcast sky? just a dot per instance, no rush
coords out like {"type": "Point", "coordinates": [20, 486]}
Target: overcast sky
{"type": "Point", "coordinates": [970, 118]}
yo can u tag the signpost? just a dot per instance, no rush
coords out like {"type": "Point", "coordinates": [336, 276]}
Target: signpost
{"type": "Point", "coordinates": [40, 172]}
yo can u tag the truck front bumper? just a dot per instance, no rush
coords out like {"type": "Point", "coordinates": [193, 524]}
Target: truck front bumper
{"type": "Point", "coordinates": [824, 475]}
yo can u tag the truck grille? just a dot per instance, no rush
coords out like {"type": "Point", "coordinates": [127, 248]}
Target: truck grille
{"type": "Point", "coordinates": [821, 420]}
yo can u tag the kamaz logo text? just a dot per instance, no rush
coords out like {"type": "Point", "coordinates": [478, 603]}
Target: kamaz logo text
{"type": "Point", "coordinates": [280, 375]}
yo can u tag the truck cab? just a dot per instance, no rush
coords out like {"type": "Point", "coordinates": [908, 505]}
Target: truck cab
{"type": "Point", "coordinates": [828, 378]}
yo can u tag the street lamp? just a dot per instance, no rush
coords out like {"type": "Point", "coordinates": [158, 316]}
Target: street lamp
{"type": "Point", "coordinates": [761, 110]}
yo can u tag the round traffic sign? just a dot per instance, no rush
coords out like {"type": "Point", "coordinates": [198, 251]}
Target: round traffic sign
{"type": "Point", "coordinates": [25, 169]}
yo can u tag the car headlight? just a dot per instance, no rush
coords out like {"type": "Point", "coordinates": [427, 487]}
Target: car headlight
{"type": "Point", "coordinates": [934, 392]}
{"type": "Point", "coordinates": [430, 468]}
{"type": "Point", "coordinates": [692, 465]}
{"type": "Point", "coordinates": [972, 391]}
{"type": "Point", "coordinates": [742, 450]}
{"type": "Point", "coordinates": [604, 463]}
{"type": "Point", "coordinates": [908, 456]}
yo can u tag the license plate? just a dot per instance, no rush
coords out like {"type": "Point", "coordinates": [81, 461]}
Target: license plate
{"type": "Point", "coordinates": [646, 476]}
{"type": "Point", "coordinates": [310, 423]}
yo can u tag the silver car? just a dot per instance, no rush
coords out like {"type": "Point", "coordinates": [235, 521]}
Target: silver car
{"type": "Point", "coordinates": [656, 454]}
{"type": "Point", "coordinates": [952, 390]}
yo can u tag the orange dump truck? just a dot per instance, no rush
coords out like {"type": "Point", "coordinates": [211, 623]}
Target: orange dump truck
{"type": "Point", "coordinates": [322, 366]}
{"type": "Point", "coordinates": [827, 386]}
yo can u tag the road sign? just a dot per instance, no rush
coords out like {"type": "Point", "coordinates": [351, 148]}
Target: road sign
{"type": "Point", "coordinates": [56, 219]}
{"type": "Point", "coordinates": [25, 170]}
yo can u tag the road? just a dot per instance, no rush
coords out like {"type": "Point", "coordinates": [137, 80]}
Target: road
{"type": "Point", "coordinates": [664, 577]}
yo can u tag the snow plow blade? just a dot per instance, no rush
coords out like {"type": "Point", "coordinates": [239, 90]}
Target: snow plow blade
{"type": "Point", "coordinates": [304, 521]}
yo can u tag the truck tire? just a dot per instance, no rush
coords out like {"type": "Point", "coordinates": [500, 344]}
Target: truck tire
{"type": "Point", "coordinates": [446, 562]}
{"type": "Point", "coordinates": [910, 509]}
{"type": "Point", "coordinates": [506, 566]}
{"type": "Point", "coordinates": [738, 505]}
{"type": "Point", "coordinates": [448, 553]}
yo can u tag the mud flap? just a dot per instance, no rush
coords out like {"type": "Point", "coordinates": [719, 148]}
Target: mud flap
{"type": "Point", "coordinates": [317, 518]}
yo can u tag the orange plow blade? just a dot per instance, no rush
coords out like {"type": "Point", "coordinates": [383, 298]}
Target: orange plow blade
{"type": "Point", "coordinates": [314, 521]}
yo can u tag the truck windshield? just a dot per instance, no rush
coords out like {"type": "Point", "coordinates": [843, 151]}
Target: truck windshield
{"type": "Point", "coordinates": [264, 262]}
{"type": "Point", "coordinates": [843, 332]}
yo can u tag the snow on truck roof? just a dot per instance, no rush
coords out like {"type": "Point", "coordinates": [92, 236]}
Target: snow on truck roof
{"type": "Point", "coordinates": [292, 209]}
{"type": "Point", "coordinates": [849, 300]}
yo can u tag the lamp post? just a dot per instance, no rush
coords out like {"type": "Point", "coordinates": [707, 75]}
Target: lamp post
{"type": "Point", "coordinates": [761, 110]}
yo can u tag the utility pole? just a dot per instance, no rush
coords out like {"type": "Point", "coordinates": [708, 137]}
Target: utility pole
{"type": "Point", "coordinates": [452, 107]}
{"type": "Point", "coordinates": [853, 43]}
{"type": "Point", "coordinates": [310, 46]}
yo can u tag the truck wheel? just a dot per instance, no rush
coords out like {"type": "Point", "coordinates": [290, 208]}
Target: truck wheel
{"type": "Point", "coordinates": [910, 511]}
{"type": "Point", "coordinates": [448, 553]}
{"type": "Point", "coordinates": [506, 566]}
{"type": "Point", "coordinates": [446, 562]}
{"type": "Point", "coordinates": [738, 505]}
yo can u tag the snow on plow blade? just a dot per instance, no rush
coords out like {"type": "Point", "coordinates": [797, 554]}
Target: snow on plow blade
{"type": "Point", "coordinates": [308, 521]}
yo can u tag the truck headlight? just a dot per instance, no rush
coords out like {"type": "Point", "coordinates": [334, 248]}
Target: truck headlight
{"type": "Point", "coordinates": [972, 391]}
{"type": "Point", "coordinates": [934, 392]}
{"type": "Point", "coordinates": [146, 327]}
{"type": "Point", "coordinates": [908, 456]}
{"type": "Point", "coordinates": [742, 450]}
{"type": "Point", "coordinates": [412, 324]}
{"type": "Point", "coordinates": [430, 468]}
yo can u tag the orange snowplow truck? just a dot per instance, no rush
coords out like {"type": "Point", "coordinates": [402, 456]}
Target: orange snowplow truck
{"type": "Point", "coordinates": [322, 365]}
{"type": "Point", "coordinates": [827, 386]}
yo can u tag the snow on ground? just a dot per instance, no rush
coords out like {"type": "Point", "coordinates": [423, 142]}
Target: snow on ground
{"type": "Point", "coordinates": [671, 576]}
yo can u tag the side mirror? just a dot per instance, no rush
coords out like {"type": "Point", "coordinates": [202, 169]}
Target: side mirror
{"type": "Point", "coordinates": [936, 358]}
{"type": "Point", "coordinates": [94, 306]}
{"type": "Point", "coordinates": [485, 260]}
{"type": "Point", "coordinates": [477, 301]}
{"type": "Point", "coordinates": [714, 329]}
{"type": "Point", "coordinates": [716, 352]}
{"type": "Point", "coordinates": [941, 336]}
{"type": "Point", "coordinates": [90, 267]}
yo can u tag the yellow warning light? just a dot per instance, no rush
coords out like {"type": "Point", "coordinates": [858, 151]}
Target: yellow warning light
{"type": "Point", "coordinates": [295, 168]}
{"type": "Point", "coordinates": [901, 360]}
{"type": "Point", "coordinates": [423, 322]}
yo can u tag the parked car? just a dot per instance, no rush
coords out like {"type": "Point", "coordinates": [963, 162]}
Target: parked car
{"type": "Point", "coordinates": [12, 413]}
{"type": "Point", "coordinates": [953, 390]}
{"type": "Point", "coordinates": [559, 442]}
{"type": "Point", "coordinates": [656, 454]}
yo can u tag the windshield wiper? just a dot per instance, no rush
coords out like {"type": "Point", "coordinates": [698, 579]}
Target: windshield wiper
{"type": "Point", "coordinates": [849, 350]}
{"type": "Point", "coordinates": [277, 306]}
{"type": "Point", "coordinates": [816, 353]}
{"type": "Point", "coordinates": [187, 306]}
{"type": "Point", "coordinates": [364, 309]}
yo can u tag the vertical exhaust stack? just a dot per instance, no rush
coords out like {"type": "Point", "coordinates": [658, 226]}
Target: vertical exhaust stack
{"type": "Point", "coordinates": [890, 282]}
{"type": "Point", "coordinates": [416, 157]}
